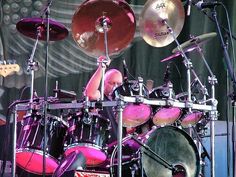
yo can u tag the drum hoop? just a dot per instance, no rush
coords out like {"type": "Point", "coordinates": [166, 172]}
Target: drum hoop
{"type": "Point", "coordinates": [193, 112]}
{"type": "Point", "coordinates": [35, 151]}
{"type": "Point", "coordinates": [90, 145]}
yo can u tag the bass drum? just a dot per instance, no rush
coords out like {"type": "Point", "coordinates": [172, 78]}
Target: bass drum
{"type": "Point", "coordinates": [134, 114]}
{"type": "Point", "coordinates": [176, 147]}
{"type": "Point", "coordinates": [29, 152]}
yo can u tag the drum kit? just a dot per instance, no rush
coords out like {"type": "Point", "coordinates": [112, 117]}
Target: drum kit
{"type": "Point", "coordinates": [162, 151]}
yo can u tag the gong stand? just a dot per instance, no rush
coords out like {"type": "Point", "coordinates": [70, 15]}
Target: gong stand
{"type": "Point", "coordinates": [213, 113]}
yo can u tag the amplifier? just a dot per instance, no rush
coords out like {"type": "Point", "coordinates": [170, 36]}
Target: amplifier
{"type": "Point", "coordinates": [86, 173]}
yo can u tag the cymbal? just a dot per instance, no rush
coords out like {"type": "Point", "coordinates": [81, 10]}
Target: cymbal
{"type": "Point", "coordinates": [194, 42]}
{"type": "Point", "coordinates": [190, 45]}
{"type": "Point", "coordinates": [171, 57]}
{"type": "Point", "coordinates": [88, 33]}
{"type": "Point", "coordinates": [29, 27]}
{"type": "Point", "coordinates": [153, 19]}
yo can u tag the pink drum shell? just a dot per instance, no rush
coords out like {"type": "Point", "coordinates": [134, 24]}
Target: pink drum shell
{"type": "Point", "coordinates": [191, 119]}
{"type": "Point", "coordinates": [93, 154]}
{"type": "Point", "coordinates": [166, 116]}
{"type": "Point", "coordinates": [136, 114]}
{"type": "Point", "coordinates": [31, 160]}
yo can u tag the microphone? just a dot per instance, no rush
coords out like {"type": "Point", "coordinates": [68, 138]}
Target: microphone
{"type": "Point", "coordinates": [204, 5]}
{"type": "Point", "coordinates": [166, 78]}
{"type": "Point", "coordinates": [125, 70]}
{"type": "Point", "coordinates": [189, 7]}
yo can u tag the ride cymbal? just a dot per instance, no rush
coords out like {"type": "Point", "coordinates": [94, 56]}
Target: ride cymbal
{"type": "Point", "coordinates": [155, 15]}
{"type": "Point", "coordinates": [88, 33]}
{"type": "Point", "coordinates": [194, 42]}
{"type": "Point", "coordinates": [29, 28]}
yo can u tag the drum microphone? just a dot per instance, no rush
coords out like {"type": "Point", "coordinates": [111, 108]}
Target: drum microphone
{"type": "Point", "coordinates": [189, 7]}
{"type": "Point", "coordinates": [204, 5]}
{"type": "Point", "coordinates": [125, 68]}
{"type": "Point", "coordinates": [166, 78]}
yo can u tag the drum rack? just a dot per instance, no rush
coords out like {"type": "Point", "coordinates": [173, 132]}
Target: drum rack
{"type": "Point", "coordinates": [120, 102]}
{"type": "Point", "coordinates": [126, 99]}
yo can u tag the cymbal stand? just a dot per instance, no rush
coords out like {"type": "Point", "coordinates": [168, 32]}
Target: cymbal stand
{"type": "Point", "coordinates": [45, 105]}
{"type": "Point", "coordinates": [213, 113]}
{"type": "Point", "coordinates": [32, 67]}
{"type": "Point", "coordinates": [187, 63]}
{"type": "Point", "coordinates": [103, 25]}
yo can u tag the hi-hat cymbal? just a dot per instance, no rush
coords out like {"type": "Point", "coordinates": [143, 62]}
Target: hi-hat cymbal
{"type": "Point", "coordinates": [153, 19]}
{"type": "Point", "coordinates": [29, 27]}
{"type": "Point", "coordinates": [87, 31]}
{"type": "Point", "coordinates": [194, 42]}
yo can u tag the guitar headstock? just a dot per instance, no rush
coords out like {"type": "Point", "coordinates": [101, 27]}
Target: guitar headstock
{"type": "Point", "coordinates": [6, 69]}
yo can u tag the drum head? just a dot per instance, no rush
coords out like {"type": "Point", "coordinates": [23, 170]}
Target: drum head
{"type": "Point", "coordinates": [31, 160]}
{"type": "Point", "coordinates": [175, 147]}
{"type": "Point", "coordinates": [191, 119]}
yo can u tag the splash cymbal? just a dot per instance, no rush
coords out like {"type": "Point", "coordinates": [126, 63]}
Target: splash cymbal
{"type": "Point", "coordinates": [152, 21]}
{"type": "Point", "coordinates": [194, 42]}
{"type": "Point", "coordinates": [29, 27]}
{"type": "Point", "coordinates": [87, 31]}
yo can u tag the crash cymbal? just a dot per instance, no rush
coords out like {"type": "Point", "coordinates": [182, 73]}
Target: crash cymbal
{"type": "Point", "coordinates": [194, 42]}
{"type": "Point", "coordinates": [153, 17]}
{"type": "Point", "coordinates": [87, 31]}
{"type": "Point", "coordinates": [175, 55]}
{"type": "Point", "coordinates": [190, 45]}
{"type": "Point", "coordinates": [29, 26]}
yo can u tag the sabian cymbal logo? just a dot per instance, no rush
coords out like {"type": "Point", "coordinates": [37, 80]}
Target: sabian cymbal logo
{"type": "Point", "coordinates": [162, 33]}
{"type": "Point", "coordinates": [160, 6]}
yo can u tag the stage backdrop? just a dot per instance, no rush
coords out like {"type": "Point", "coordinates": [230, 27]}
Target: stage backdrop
{"type": "Point", "coordinates": [72, 68]}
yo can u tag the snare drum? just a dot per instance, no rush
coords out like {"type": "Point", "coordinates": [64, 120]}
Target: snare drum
{"type": "Point", "coordinates": [134, 114]}
{"type": "Point", "coordinates": [29, 152]}
{"type": "Point", "coordinates": [164, 115]}
{"type": "Point", "coordinates": [88, 133]}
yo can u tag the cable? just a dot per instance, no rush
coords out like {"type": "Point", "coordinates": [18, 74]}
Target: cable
{"type": "Point", "coordinates": [230, 32]}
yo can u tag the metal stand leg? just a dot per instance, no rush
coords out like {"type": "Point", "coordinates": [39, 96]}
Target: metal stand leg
{"type": "Point", "coordinates": [119, 137]}
{"type": "Point", "coordinates": [213, 118]}
{"type": "Point", "coordinates": [14, 145]}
